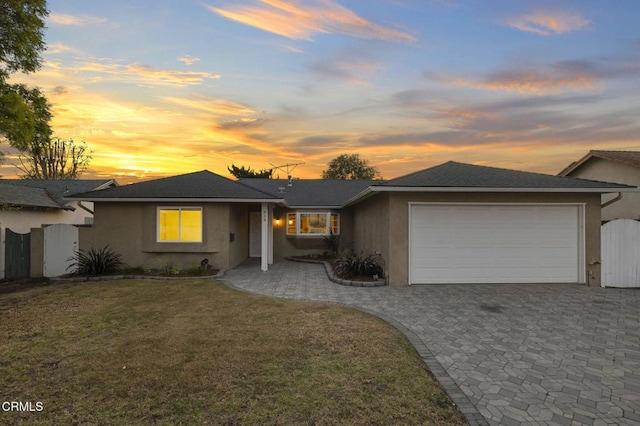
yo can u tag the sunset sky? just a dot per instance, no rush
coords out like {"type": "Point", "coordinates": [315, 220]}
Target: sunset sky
{"type": "Point", "coordinates": [161, 87]}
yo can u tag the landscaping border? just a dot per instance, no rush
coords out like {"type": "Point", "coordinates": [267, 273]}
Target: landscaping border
{"type": "Point", "coordinates": [381, 282]}
{"type": "Point", "coordinates": [217, 276]}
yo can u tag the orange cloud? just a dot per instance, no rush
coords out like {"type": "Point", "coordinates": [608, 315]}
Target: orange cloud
{"type": "Point", "coordinates": [74, 20]}
{"type": "Point", "coordinates": [188, 59]}
{"type": "Point", "coordinates": [302, 22]}
{"type": "Point", "coordinates": [144, 73]}
{"type": "Point", "coordinates": [214, 106]}
{"type": "Point", "coordinates": [55, 48]}
{"type": "Point", "coordinates": [180, 78]}
{"type": "Point", "coordinates": [547, 23]}
{"type": "Point", "coordinates": [539, 81]}
{"type": "Point", "coordinates": [530, 81]}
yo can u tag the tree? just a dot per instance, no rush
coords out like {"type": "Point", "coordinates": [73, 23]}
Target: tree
{"type": "Point", "coordinates": [247, 173]}
{"type": "Point", "coordinates": [26, 116]}
{"type": "Point", "coordinates": [54, 159]}
{"type": "Point", "coordinates": [21, 43]}
{"type": "Point", "coordinates": [350, 167]}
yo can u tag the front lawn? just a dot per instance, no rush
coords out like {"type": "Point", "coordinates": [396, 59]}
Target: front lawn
{"type": "Point", "coordinates": [195, 352]}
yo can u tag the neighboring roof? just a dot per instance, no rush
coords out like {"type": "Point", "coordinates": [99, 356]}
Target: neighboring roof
{"type": "Point", "coordinates": [452, 175]}
{"type": "Point", "coordinates": [327, 193]}
{"type": "Point", "coordinates": [630, 158]}
{"type": "Point", "coordinates": [45, 193]}
{"type": "Point", "coordinates": [26, 197]}
{"type": "Point", "coordinates": [203, 185]}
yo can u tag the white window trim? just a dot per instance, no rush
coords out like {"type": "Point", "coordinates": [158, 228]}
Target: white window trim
{"type": "Point", "coordinates": [179, 208]}
{"type": "Point", "coordinates": [328, 221]}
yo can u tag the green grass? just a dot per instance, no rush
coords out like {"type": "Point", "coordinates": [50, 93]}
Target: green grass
{"type": "Point", "coordinates": [196, 352]}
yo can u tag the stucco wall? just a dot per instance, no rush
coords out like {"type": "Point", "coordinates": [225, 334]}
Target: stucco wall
{"type": "Point", "coordinates": [371, 221]}
{"type": "Point", "coordinates": [388, 213]}
{"type": "Point", "coordinates": [609, 171]}
{"type": "Point", "coordinates": [130, 230]}
{"type": "Point", "coordinates": [239, 247]}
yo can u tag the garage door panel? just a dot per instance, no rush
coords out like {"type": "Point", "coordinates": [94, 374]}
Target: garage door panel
{"type": "Point", "coordinates": [494, 244]}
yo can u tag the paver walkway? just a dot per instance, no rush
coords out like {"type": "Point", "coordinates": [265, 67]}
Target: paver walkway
{"type": "Point", "coordinates": [506, 354]}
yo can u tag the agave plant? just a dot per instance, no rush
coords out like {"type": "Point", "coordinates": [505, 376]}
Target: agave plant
{"type": "Point", "coordinates": [352, 264]}
{"type": "Point", "coordinates": [95, 261]}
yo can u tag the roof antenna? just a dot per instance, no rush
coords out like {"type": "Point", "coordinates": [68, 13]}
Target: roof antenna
{"type": "Point", "coordinates": [287, 168]}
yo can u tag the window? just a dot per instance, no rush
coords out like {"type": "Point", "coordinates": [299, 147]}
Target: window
{"type": "Point", "coordinates": [180, 224]}
{"type": "Point", "coordinates": [310, 224]}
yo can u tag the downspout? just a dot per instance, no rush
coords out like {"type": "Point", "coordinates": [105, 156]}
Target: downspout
{"type": "Point", "coordinates": [85, 208]}
{"type": "Point", "coordinates": [613, 200]}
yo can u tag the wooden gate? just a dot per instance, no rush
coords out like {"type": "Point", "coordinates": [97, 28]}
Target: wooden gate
{"type": "Point", "coordinates": [60, 244]}
{"type": "Point", "coordinates": [17, 255]}
{"type": "Point", "coordinates": [620, 253]}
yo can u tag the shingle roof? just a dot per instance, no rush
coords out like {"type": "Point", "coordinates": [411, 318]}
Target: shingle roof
{"type": "Point", "coordinates": [197, 185]}
{"type": "Point", "coordinates": [311, 192]}
{"type": "Point", "coordinates": [45, 193]}
{"type": "Point", "coordinates": [461, 175]}
{"type": "Point", "coordinates": [27, 197]}
{"type": "Point", "coordinates": [631, 158]}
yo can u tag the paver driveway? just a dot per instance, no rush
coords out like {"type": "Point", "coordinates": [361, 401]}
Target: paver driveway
{"type": "Point", "coordinates": [506, 354]}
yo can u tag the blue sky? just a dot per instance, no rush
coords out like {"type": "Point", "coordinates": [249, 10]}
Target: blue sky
{"type": "Point", "coordinates": [164, 87]}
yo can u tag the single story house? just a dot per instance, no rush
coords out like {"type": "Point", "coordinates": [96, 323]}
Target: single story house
{"type": "Point", "coordinates": [452, 223]}
{"type": "Point", "coordinates": [611, 166]}
{"type": "Point", "coordinates": [27, 204]}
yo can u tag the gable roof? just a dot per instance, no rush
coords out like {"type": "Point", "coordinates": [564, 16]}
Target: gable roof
{"type": "Point", "coordinates": [201, 186]}
{"type": "Point", "coordinates": [453, 175]}
{"type": "Point", "coordinates": [326, 193]}
{"type": "Point", "coordinates": [460, 177]}
{"type": "Point", "coordinates": [46, 193]}
{"type": "Point", "coordinates": [630, 158]}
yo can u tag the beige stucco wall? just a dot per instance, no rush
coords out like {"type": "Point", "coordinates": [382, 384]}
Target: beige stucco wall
{"type": "Point", "coordinates": [388, 213]}
{"type": "Point", "coordinates": [130, 230]}
{"type": "Point", "coordinates": [371, 221]}
{"type": "Point", "coordinates": [239, 247]}
{"type": "Point", "coordinates": [609, 171]}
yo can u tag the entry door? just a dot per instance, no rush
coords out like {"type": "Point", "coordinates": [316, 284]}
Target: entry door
{"type": "Point", "coordinates": [255, 234]}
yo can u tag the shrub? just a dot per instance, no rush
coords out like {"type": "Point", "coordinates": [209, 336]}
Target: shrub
{"type": "Point", "coordinates": [332, 243]}
{"type": "Point", "coordinates": [170, 268]}
{"type": "Point", "coordinates": [95, 261]}
{"type": "Point", "coordinates": [351, 264]}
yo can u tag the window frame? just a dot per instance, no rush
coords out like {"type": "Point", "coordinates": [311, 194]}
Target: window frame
{"type": "Point", "coordinates": [159, 209]}
{"type": "Point", "coordinates": [329, 215]}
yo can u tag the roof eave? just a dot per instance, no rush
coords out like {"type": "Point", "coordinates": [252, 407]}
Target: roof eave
{"type": "Point", "coordinates": [600, 190]}
{"type": "Point", "coordinates": [181, 200]}
{"type": "Point", "coordinates": [299, 207]}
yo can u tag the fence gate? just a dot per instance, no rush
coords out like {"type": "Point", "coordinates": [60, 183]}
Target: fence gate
{"type": "Point", "coordinates": [17, 255]}
{"type": "Point", "coordinates": [60, 243]}
{"type": "Point", "coordinates": [621, 253]}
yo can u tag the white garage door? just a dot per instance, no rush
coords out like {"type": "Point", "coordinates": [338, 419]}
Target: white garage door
{"type": "Point", "coordinates": [491, 243]}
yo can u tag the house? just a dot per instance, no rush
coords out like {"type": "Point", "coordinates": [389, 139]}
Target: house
{"type": "Point", "coordinates": [452, 223]}
{"type": "Point", "coordinates": [27, 204]}
{"type": "Point", "coordinates": [611, 166]}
